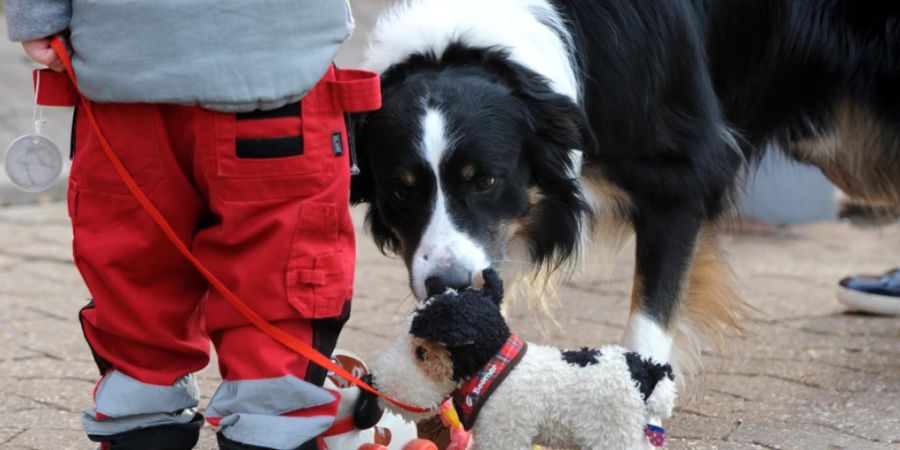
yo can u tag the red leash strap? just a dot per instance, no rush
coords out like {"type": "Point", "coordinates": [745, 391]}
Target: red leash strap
{"type": "Point", "coordinates": [272, 331]}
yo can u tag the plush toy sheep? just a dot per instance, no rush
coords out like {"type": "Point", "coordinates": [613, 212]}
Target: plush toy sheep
{"type": "Point", "coordinates": [512, 394]}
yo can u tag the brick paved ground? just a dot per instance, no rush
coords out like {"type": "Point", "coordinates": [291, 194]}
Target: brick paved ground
{"type": "Point", "coordinates": [806, 375]}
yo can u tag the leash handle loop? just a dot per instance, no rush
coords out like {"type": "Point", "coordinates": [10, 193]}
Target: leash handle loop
{"type": "Point", "coordinates": [267, 328]}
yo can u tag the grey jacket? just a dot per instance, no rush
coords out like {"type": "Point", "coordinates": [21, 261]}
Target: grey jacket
{"type": "Point", "coordinates": [228, 55]}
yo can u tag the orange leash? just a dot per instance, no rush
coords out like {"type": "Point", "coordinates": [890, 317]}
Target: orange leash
{"type": "Point", "coordinates": [270, 330]}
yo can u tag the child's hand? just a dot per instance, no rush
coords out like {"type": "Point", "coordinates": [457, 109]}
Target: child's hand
{"type": "Point", "coordinates": [40, 51]}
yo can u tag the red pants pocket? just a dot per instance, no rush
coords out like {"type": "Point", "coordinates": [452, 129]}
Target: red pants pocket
{"type": "Point", "coordinates": [319, 275]}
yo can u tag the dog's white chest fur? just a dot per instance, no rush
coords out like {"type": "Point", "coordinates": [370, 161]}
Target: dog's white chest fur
{"type": "Point", "coordinates": [547, 401]}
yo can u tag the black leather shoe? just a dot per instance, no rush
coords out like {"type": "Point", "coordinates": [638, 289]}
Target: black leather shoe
{"type": "Point", "coordinates": [872, 294]}
{"type": "Point", "coordinates": [162, 437]}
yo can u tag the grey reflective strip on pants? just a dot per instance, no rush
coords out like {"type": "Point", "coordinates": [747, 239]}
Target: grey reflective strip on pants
{"type": "Point", "coordinates": [251, 411]}
{"type": "Point", "coordinates": [127, 404]}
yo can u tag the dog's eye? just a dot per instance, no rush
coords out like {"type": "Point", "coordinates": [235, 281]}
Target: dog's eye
{"type": "Point", "coordinates": [402, 193]}
{"type": "Point", "coordinates": [484, 184]}
{"type": "Point", "coordinates": [421, 352]}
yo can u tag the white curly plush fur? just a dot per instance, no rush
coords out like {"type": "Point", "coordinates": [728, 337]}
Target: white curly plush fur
{"type": "Point", "coordinates": [395, 371]}
{"type": "Point", "coordinates": [544, 400]}
{"type": "Point", "coordinates": [550, 402]}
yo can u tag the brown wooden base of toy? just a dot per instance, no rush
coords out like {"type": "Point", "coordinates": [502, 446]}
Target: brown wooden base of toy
{"type": "Point", "coordinates": [435, 431]}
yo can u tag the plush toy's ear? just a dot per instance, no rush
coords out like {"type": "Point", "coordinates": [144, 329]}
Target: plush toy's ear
{"type": "Point", "coordinates": [493, 285]}
{"type": "Point", "coordinates": [367, 412]}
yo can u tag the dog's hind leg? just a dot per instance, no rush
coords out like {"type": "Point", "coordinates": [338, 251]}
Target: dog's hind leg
{"type": "Point", "coordinates": [666, 242]}
{"type": "Point", "coordinates": [683, 292]}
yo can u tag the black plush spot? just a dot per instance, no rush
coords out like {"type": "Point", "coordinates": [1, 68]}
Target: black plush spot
{"type": "Point", "coordinates": [289, 110]}
{"type": "Point", "coordinates": [582, 358]}
{"type": "Point", "coordinates": [646, 372]}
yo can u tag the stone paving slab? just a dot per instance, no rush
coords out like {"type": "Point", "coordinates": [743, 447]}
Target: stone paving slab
{"type": "Point", "coordinates": [806, 374]}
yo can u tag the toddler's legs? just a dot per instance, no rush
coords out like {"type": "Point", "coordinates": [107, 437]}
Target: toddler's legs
{"type": "Point", "coordinates": [278, 187]}
{"type": "Point", "coordinates": [144, 325]}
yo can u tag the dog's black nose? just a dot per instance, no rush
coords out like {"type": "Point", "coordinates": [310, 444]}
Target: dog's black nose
{"type": "Point", "coordinates": [455, 279]}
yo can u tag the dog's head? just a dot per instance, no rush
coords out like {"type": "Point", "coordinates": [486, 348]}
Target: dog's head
{"type": "Point", "coordinates": [450, 337]}
{"type": "Point", "coordinates": [469, 152]}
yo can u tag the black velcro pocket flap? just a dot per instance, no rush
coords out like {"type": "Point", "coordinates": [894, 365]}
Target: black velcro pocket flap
{"type": "Point", "coordinates": [269, 148]}
{"type": "Point", "coordinates": [289, 110]}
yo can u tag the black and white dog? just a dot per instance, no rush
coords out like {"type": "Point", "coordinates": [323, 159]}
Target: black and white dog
{"type": "Point", "coordinates": [524, 124]}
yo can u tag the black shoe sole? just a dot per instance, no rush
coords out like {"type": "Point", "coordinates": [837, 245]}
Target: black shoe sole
{"type": "Point", "coordinates": [162, 437]}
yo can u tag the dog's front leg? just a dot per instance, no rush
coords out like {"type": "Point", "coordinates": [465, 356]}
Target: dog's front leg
{"type": "Point", "coordinates": [666, 242]}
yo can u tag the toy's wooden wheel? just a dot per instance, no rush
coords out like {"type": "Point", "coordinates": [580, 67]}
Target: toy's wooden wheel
{"type": "Point", "coordinates": [420, 444]}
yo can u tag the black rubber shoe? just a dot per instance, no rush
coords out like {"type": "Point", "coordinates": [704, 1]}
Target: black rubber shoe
{"type": "Point", "coordinates": [163, 437]}
{"type": "Point", "coordinates": [872, 294]}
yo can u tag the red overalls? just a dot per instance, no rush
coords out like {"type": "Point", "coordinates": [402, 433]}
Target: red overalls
{"type": "Point", "coordinates": [261, 198]}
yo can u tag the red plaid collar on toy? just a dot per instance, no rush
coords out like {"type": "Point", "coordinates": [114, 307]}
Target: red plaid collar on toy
{"type": "Point", "coordinates": [471, 395]}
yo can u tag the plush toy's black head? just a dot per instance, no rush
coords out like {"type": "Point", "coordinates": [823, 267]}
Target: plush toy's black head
{"type": "Point", "coordinates": [468, 323]}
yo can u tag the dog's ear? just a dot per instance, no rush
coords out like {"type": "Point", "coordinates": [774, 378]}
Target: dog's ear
{"type": "Point", "coordinates": [493, 285]}
{"type": "Point", "coordinates": [560, 131]}
{"type": "Point", "coordinates": [556, 119]}
{"type": "Point", "coordinates": [367, 412]}
{"type": "Point", "coordinates": [363, 187]}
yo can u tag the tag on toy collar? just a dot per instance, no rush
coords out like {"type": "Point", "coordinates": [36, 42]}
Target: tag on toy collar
{"type": "Point", "coordinates": [32, 162]}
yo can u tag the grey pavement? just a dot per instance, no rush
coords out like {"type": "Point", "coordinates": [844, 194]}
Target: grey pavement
{"type": "Point", "coordinates": [806, 375]}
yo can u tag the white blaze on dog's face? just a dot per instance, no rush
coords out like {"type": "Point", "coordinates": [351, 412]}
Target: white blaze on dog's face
{"type": "Point", "coordinates": [446, 257]}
